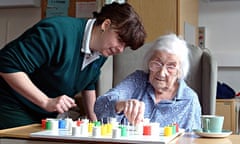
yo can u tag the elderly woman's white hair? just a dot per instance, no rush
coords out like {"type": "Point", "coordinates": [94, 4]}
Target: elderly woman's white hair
{"type": "Point", "coordinates": [173, 45]}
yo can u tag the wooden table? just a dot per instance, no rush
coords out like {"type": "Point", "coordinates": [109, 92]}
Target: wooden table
{"type": "Point", "coordinates": [21, 135]}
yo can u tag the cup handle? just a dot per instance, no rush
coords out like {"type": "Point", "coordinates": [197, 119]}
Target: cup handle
{"type": "Point", "coordinates": [207, 121]}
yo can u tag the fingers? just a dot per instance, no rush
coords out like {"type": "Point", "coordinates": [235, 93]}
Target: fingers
{"type": "Point", "coordinates": [140, 115]}
{"type": "Point", "coordinates": [62, 104]}
{"type": "Point", "coordinates": [67, 102]}
{"type": "Point", "coordinates": [134, 111]}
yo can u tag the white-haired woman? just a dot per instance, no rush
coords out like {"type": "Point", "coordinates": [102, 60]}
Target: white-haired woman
{"type": "Point", "coordinates": [158, 93]}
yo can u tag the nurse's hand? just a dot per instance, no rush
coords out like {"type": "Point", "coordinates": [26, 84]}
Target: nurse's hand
{"type": "Point", "coordinates": [133, 110]}
{"type": "Point", "coordinates": [60, 104]}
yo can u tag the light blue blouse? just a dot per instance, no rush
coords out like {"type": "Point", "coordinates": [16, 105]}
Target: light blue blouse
{"type": "Point", "coordinates": [184, 109]}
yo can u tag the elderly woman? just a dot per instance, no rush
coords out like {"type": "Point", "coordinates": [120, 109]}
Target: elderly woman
{"type": "Point", "coordinates": [159, 93]}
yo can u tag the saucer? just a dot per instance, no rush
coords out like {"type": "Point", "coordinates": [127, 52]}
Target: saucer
{"type": "Point", "coordinates": [222, 134]}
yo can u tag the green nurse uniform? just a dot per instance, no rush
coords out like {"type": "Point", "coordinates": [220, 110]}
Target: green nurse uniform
{"type": "Point", "coordinates": [50, 53]}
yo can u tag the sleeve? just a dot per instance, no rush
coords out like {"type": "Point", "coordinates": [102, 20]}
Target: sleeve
{"type": "Point", "coordinates": [194, 116]}
{"type": "Point", "coordinates": [190, 108]}
{"type": "Point", "coordinates": [105, 104]}
{"type": "Point", "coordinates": [29, 51]}
{"type": "Point", "coordinates": [92, 85]}
{"type": "Point", "coordinates": [197, 112]}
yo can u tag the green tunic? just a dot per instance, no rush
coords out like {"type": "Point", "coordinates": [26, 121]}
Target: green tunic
{"type": "Point", "coordinates": [50, 53]}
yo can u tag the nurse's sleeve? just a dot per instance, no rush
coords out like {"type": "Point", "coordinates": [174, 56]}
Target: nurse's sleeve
{"type": "Point", "coordinates": [30, 51]}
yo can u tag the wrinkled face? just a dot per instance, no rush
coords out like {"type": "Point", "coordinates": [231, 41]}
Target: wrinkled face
{"type": "Point", "coordinates": [164, 70]}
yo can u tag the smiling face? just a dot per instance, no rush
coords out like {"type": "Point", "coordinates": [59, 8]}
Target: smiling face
{"type": "Point", "coordinates": [111, 43]}
{"type": "Point", "coordinates": [164, 71]}
{"type": "Point", "coordinates": [106, 40]}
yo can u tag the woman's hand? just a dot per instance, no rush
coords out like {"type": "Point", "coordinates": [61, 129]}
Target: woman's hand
{"type": "Point", "coordinates": [59, 104]}
{"type": "Point", "coordinates": [133, 110]}
{"type": "Point", "coordinates": [21, 83]}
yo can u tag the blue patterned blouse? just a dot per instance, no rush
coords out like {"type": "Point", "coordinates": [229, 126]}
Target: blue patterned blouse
{"type": "Point", "coordinates": [184, 109]}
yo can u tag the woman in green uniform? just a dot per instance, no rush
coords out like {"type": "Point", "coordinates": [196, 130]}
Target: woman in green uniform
{"type": "Point", "coordinates": [43, 69]}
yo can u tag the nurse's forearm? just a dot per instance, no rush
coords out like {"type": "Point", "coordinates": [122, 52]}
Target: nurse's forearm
{"type": "Point", "coordinates": [89, 99]}
{"type": "Point", "coordinates": [21, 83]}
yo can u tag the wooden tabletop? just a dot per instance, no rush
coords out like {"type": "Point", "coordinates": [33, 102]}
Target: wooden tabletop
{"type": "Point", "coordinates": [24, 132]}
{"type": "Point", "coordinates": [194, 139]}
{"type": "Point", "coordinates": [20, 132]}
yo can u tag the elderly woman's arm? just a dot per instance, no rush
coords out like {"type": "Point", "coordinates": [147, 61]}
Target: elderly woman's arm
{"type": "Point", "coordinates": [197, 115]}
{"type": "Point", "coordinates": [132, 109]}
{"type": "Point", "coordinates": [121, 101]}
{"type": "Point", "coordinates": [105, 107]}
{"type": "Point", "coordinates": [194, 119]}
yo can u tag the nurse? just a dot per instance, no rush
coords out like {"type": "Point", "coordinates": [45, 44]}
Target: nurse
{"type": "Point", "coordinates": [43, 69]}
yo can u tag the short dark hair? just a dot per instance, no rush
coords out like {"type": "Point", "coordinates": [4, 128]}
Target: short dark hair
{"type": "Point", "coordinates": [126, 22]}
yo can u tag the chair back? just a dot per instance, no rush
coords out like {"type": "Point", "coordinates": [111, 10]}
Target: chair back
{"type": "Point", "coordinates": [202, 77]}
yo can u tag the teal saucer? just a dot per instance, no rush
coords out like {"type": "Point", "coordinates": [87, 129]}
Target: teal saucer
{"type": "Point", "coordinates": [222, 134]}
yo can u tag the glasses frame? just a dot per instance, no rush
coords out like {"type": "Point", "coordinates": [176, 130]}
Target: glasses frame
{"type": "Point", "coordinates": [170, 69]}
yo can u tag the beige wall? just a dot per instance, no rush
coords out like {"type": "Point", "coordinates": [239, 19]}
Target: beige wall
{"type": "Point", "coordinates": [14, 21]}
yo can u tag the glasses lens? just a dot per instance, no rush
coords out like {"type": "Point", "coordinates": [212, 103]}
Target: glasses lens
{"type": "Point", "coordinates": [172, 69]}
{"type": "Point", "coordinates": [157, 66]}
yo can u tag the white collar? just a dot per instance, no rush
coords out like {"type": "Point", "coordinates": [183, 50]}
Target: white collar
{"type": "Point", "coordinates": [87, 36]}
{"type": "Point", "coordinates": [89, 56]}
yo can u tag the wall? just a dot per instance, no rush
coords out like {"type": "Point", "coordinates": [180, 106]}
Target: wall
{"type": "Point", "coordinates": [222, 23]}
{"type": "Point", "coordinates": [14, 21]}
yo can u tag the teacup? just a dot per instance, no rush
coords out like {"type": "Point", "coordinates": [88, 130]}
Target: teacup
{"type": "Point", "coordinates": [212, 123]}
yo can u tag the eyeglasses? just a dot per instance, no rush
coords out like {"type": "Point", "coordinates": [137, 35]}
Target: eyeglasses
{"type": "Point", "coordinates": [157, 66]}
